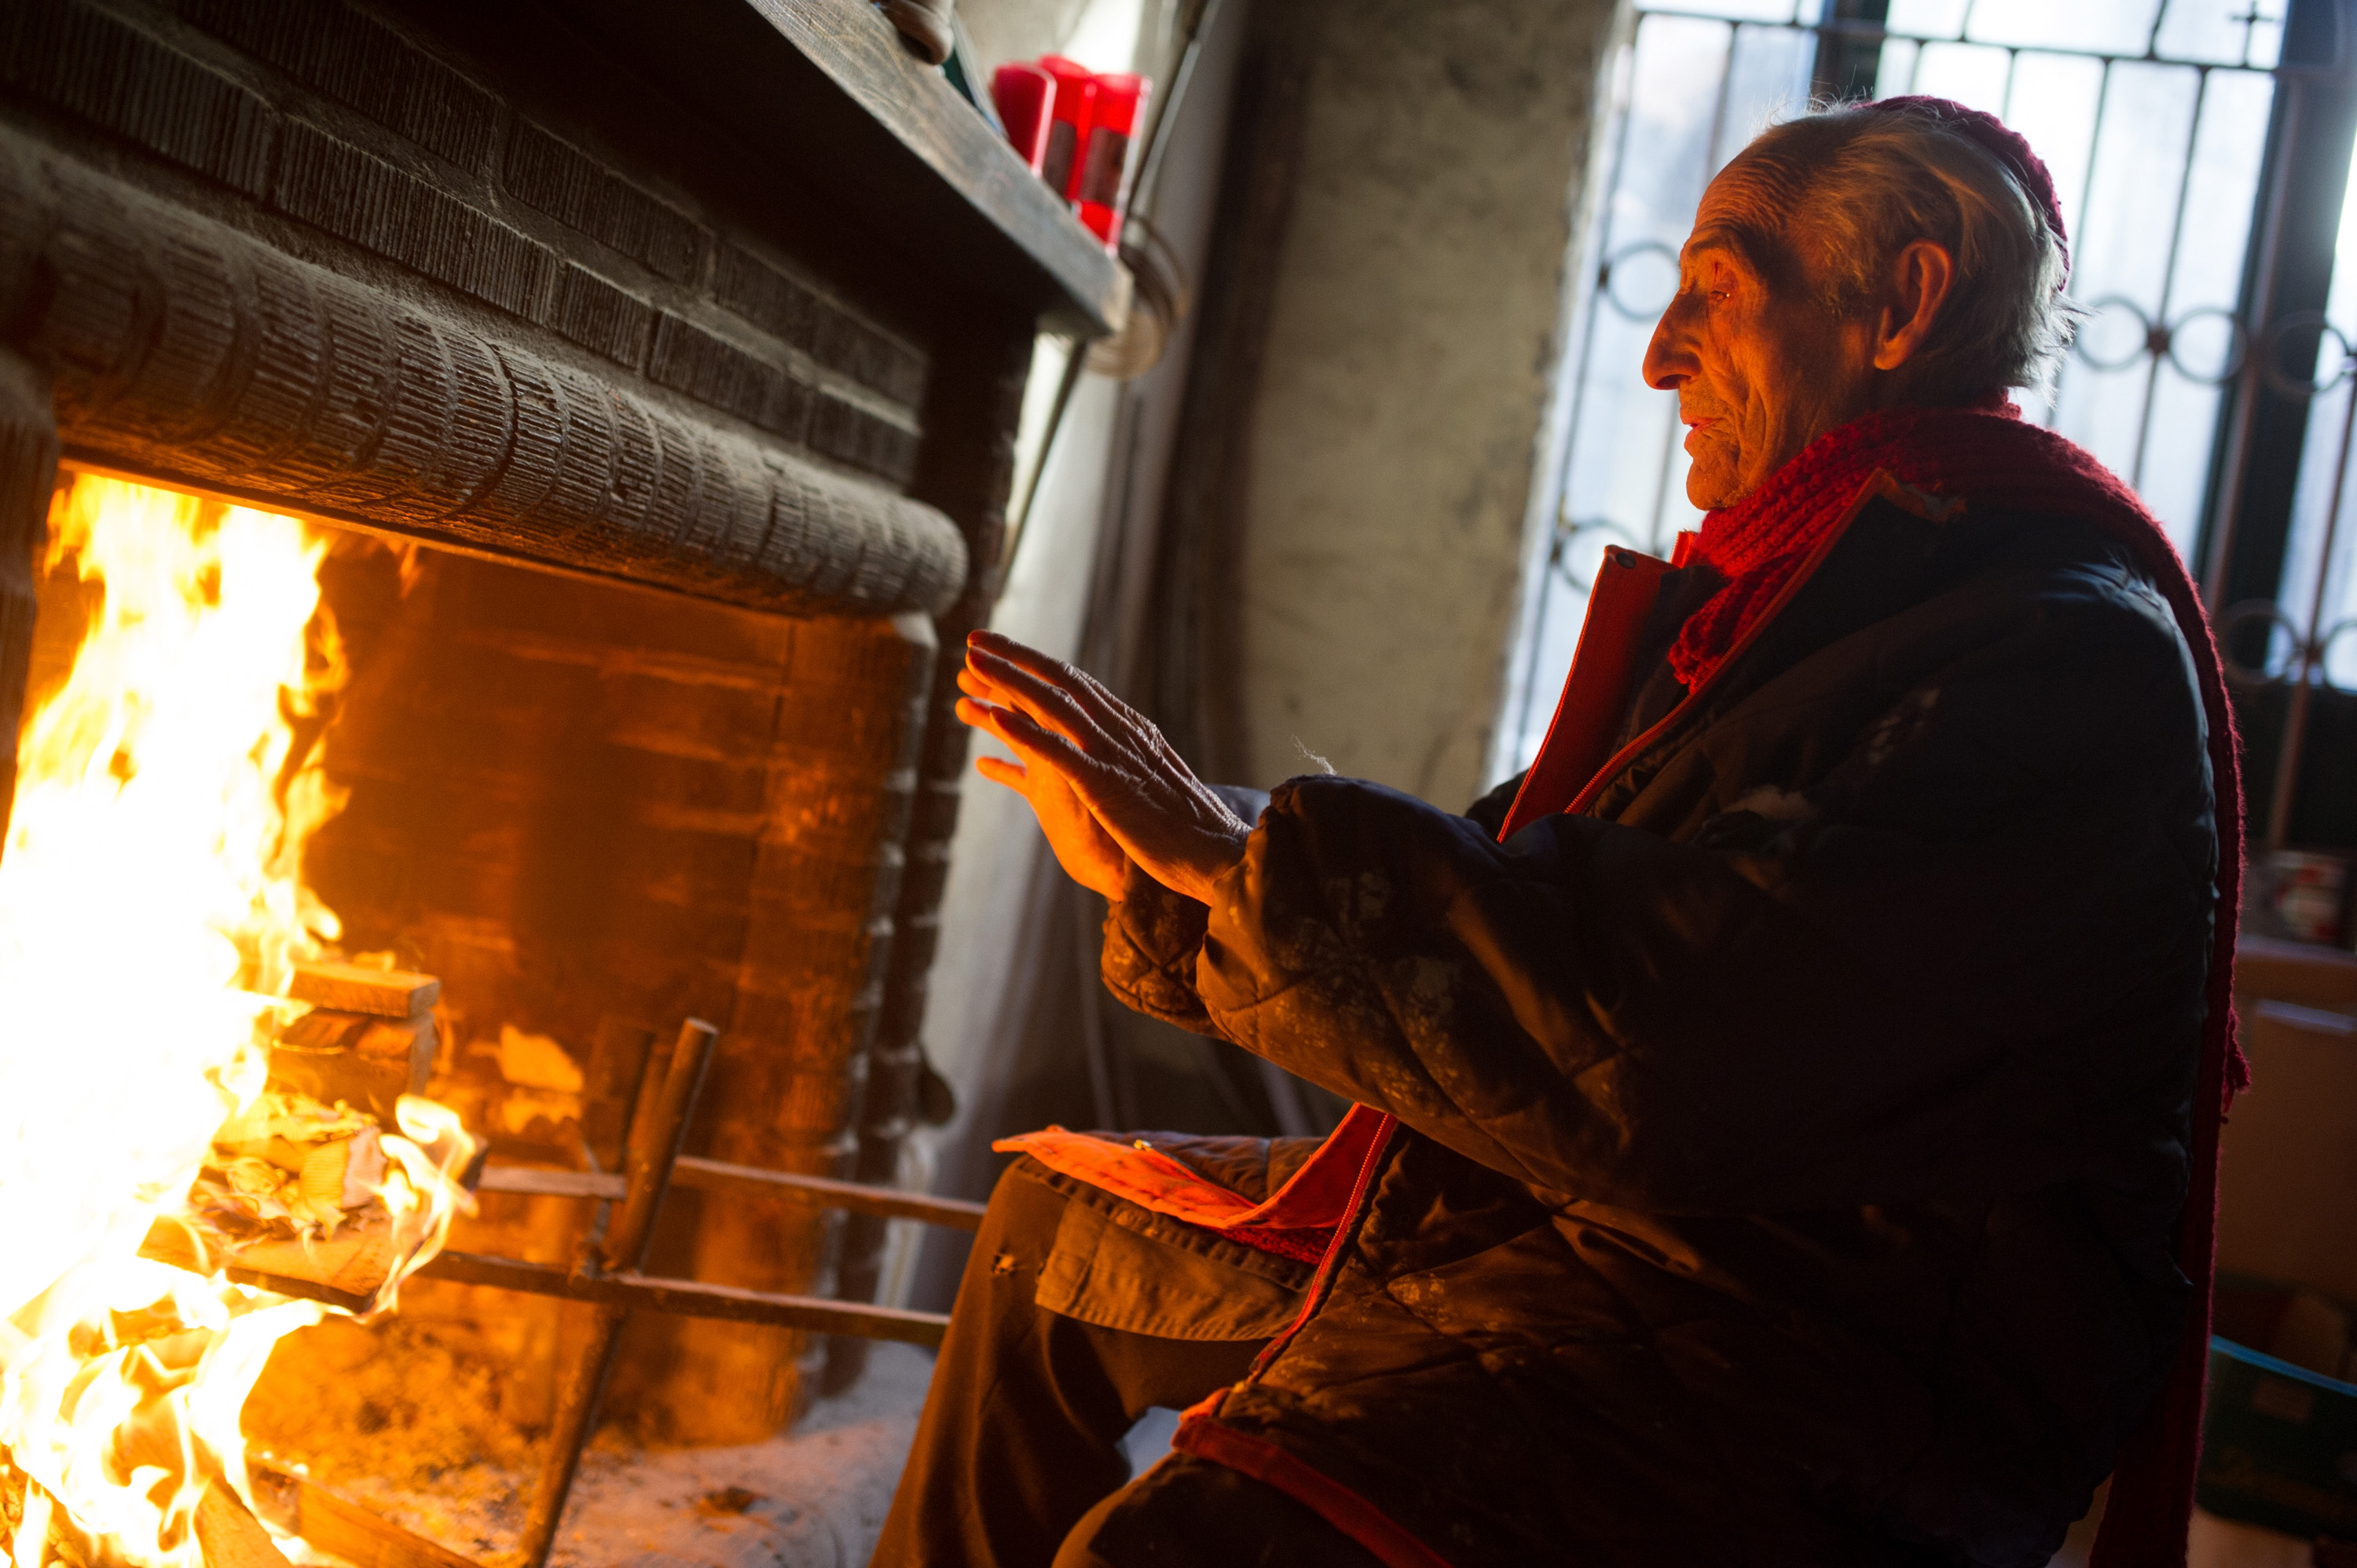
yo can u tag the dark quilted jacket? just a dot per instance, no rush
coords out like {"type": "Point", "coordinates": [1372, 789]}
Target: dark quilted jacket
{"type": "Point", "coordinates": [1788, 1150]}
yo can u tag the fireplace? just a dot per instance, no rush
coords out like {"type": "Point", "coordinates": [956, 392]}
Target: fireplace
{"type": "Point", "coordinates": [652, 373]}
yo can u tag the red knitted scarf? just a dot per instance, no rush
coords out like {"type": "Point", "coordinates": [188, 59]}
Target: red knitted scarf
{"type": "Point", "coordinates": [1997, 459]}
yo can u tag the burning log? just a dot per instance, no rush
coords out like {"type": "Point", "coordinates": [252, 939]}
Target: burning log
{"type": "Point", "coordinates": [292, 1198]}
{"type": "Point", "coordinates": [231, 1536]}
{"type": "Point", "coordinates": [368, 1040]}
{"type": "Point", "coordinates": [364, 1061]}
{"type": "Point", "coordinates": [375, 992]}
{"type": "Point", "coordinates": [300, 1506]}
{"type": "Point", "coordinates": [347, 1270]}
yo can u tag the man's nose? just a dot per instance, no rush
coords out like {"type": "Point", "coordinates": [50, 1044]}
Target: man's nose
{"type": "Point", "coordinates": [1668, 364]}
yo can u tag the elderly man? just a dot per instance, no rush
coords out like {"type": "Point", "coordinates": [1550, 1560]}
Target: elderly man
{"type": "Point", "coordinates": [1774, 1112]}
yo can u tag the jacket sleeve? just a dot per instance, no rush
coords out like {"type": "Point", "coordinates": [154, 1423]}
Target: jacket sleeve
{"type": "Point", "coordinates": [1153, 936]}
{"type": "Point", "coordinates": [1962, 956]}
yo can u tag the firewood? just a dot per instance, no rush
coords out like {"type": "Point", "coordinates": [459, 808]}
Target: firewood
{"type": "Point", "coordinates": [344, 1270]}
{"type": "Point", "coordinates": [230, 1536]}
{"type": "Point", "coordinates": [300, 1506]}
{"type": "Point", "coordinates": [380, 993]}
{"type": "Point", "coordinates": [363, 1060]}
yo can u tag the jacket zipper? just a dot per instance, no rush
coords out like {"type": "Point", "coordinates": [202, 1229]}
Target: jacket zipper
{"type": "Point", "coordinates": [1321, 1282]}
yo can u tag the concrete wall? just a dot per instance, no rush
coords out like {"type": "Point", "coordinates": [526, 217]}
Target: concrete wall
{"type": "Point", "coordinates": [1408, 376]}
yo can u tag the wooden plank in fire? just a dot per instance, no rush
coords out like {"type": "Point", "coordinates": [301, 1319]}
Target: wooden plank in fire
{"type": "Point", "coordinates": [300, 1506]}
{"type": "Point", "coordinates": [231, 1537]}
{"type": "Point", "coordinates": [345, 1270]}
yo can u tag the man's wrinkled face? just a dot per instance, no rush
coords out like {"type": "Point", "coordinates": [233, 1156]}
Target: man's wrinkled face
{"type": "Point", "coordinates": [1761, 365]}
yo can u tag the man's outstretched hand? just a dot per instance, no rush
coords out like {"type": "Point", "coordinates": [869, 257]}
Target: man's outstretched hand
{"type": "Point", "coordinates": [1104, 784]}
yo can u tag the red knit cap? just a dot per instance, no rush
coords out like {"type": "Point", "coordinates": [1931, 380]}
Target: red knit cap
{"type": "Point", "coordinates": [1993, 136]}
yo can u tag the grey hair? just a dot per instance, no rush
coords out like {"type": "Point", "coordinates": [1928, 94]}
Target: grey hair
{"type": "Point", "coordinates": [1875, 181]}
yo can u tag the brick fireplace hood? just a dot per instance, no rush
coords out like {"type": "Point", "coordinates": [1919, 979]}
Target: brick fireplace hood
{"type": "Point", "coordinates": [562, 364]}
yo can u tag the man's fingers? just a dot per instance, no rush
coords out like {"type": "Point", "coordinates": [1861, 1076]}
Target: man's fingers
{"type": "Point", "coordinates": [975, 683]}
{"type": "Point", "coordinates": [1082, 688]}
{"type": "Point", "coordinates": [1090, 694]}
{"type": "Point", "coordinates": [998, 770]}
{"type": "Point", "coordinates": [1045, 702]}
{"type": "Point", "coordinates": [1036, 745]}
{"type": "Point", "coordinates": [1046, 666]}
{"type": "Point", "coordinates": [1027, 738]}
{"type": "Point", "coordinates": [1067, 699]}
{"type": "Point", "coordinates": [1065, 720]}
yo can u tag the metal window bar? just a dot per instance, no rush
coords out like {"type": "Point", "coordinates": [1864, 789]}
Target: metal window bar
{"type": "Point", "coordinates": [2157, 335]}
{"type": "Point", "coordinates": [2293, 652]}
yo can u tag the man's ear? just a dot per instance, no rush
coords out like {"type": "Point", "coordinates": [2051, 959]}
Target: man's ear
{"type": "Point", "coordinates": [1919, 280]}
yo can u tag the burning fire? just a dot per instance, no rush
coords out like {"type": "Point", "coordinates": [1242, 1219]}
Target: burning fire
{"type": "Point", "coordinates": [151, 909]}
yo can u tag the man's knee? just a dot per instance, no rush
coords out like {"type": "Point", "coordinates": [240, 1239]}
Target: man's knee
{"type": "Point", "coordinates": [1186, 1512]}
{"type": "Point", "coordinates": [1018, 1226]}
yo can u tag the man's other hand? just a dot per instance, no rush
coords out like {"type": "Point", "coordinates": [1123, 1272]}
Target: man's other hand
{"type": "Point", "coordinates": [1105, 786]}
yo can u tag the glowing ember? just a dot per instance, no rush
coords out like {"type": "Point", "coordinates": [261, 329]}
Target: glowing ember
{"type": "Point", "coordinates": [151, 905]}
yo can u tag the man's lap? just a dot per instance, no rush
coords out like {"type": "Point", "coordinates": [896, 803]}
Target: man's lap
{"type": "Point", "coordinates": [1116, 1264]}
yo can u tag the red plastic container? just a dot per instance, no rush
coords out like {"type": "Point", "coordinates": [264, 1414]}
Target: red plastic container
{"type": "Point", "coordinates": [1068, 131]}
{"type": "Point", "coordinates": [1102, 188]}
{"type": "Point", "coordinates": [1025, 97]}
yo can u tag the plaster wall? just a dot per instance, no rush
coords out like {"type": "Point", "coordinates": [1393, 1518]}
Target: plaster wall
{"type": "Point", "coordinates": [1409, 366]}
{"type": "Point", "coordinates": [1005, 899]}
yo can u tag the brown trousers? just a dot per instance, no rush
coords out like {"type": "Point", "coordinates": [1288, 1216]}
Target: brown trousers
{"type": "Point", "coordinates": [1017, 1461]}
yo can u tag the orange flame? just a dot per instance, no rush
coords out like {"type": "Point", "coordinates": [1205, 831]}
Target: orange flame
{"type": "Point", "coordinates": [151, 905]}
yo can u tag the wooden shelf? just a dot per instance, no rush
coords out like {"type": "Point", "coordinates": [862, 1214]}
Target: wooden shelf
{"type": "Point", "coordinates": [826, 90]}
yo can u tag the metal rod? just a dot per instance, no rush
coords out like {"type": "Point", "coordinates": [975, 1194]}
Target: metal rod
{"type": "Point", "coordinates": [1882, 33]}
{"type": "Point", "coordinates": [884, 1203]}
{"type": "Point", "coordinates": [2311, 649]}
{"type": "Point", "coordinates": [690, 1171]}
{"type": "Point", "coordinates": [2167, 275]}
{"type": "Point", "coordinates": [654, 1139]}
{"type": "Point", "coordinates": [691, 1298]}
{"type": "Point", "coordinates": [2262, 272]}
{"type": "Point", "coordinates": [1195, 20]}
{"type": "Point", "coordinates": [1561, 505]}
